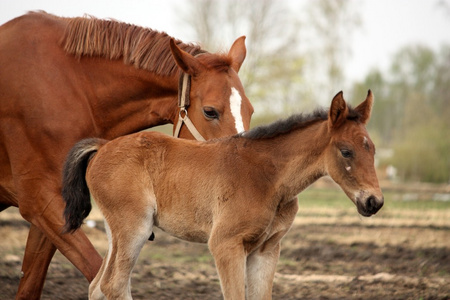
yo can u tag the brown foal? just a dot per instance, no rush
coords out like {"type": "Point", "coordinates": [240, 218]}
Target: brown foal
{"type": "Point", "coordinates": [238, 194]}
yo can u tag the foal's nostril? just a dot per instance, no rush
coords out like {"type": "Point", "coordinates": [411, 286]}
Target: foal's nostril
{"type": "Point", "coordinates": [372, 205]}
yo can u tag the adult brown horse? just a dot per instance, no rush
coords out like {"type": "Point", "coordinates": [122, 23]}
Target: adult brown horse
{"type": "Point", "coordinates": [239, 196]}
{"type": "Point", "coordinates": [62, 80]}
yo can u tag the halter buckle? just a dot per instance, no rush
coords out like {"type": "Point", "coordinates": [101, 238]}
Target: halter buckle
{"type": "Point", "coordinates": [183, 102]}
{"type": "Point", "coordinates": [182, 111]}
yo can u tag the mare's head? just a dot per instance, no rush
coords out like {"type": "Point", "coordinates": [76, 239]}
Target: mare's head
{"type": "Point", "coordinates": [350, 154]}
{"type": "Point", "coordinates": [218, 105]}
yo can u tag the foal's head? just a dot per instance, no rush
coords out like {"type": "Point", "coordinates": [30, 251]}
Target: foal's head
{"type": "Point", "coordinates": [350, 154]}
{"type": "Point", "coordinates": [218, 105]}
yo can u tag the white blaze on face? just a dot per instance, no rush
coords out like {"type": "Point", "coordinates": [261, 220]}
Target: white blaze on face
{"type": "Point", "coordinates": [235, 107]}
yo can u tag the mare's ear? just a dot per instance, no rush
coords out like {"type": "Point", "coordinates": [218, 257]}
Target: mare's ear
{"type": "Point", "coordinates": [338, 111]}
{"type": "Point", "coordinates": [237, 53]}
{"type": "Point", "coordinates": [365, 108]}
{"type": "Point", "coordinates": [188, 63]}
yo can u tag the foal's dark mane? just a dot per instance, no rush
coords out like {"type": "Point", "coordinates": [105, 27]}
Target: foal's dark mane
{"type": "Point", "coordinates": [142, 47]}
{"type": "Point", "coordinates": [293, 122]}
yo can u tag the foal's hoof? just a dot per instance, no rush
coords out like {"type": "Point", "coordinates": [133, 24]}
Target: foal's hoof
{"type": "Point", "coordinates": [152, 237]}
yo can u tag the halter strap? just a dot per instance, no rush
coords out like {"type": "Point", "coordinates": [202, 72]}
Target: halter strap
{"type": "Point", "coordinates": [184, 88]}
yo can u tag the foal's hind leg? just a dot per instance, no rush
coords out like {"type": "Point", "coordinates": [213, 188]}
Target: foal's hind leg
{"type": "Point", "coordinates": [127, 233]}
{"type": "Point", "coordinates": [94, 288]}
{"type": "Point", "coordinates": [117, 266]}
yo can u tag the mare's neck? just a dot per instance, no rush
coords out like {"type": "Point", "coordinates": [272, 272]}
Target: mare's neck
{"type": "Point", "coordinates": [125, 99]}
{"type": "Point", "coordinates": [296, 159]}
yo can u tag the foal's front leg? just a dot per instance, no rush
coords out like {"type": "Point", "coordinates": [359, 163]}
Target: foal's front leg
{"type": "Point", "coordinates": [230, 258]}
{"type": "Point", "coordinates": [261, 266]}
{"type": "Point", "coordinates": [262, 263]}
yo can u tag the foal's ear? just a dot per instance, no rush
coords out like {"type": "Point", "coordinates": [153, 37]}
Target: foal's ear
{"type": "Point", "coordinates": [338, 111]}
{"type": "Point", "coordinates": [365, 108]}
{"type": "Point", "coordinates": [237, 53]}
{"type": "Point", "coordinates": [188, 63]}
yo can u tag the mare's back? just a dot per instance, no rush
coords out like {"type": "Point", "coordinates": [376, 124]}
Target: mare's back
{"type": "Point", "coordinates": [31, 58]}
{"type": "Point", "coordinates": [41, 88]}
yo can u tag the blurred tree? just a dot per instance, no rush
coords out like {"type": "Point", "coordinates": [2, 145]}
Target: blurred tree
{"type": "Point", "coordinates": [274, 71]}
{"type": "Point", "coordinates": [422, 152]}
{"type": "Point", "coordinates": [412, 112]}
{"type": "Point", "coordinates": [332, 23]}
{"type": "Point", "coordinates": [383, 119]}
{"type": "Point", "coordinates": [272, 68]}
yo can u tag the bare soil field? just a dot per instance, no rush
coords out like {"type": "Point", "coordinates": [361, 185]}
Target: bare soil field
{"type": "Point", "coordinates": [330, 253]}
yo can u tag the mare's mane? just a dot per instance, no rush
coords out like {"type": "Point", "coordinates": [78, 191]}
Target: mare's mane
{"type": "Point", "coordinates": [293, 122]}
{"type": "Point", "coordinates": [142, 47]}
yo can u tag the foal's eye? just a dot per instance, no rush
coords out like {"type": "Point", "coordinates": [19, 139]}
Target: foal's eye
{"type": "Point", "coordinates": [346, 153]}
{"type": "Point", "coordinates": [210, 113]}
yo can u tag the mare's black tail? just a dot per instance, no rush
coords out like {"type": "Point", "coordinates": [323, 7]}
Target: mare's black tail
{"type": "Point", "coordinates": [75, 191]}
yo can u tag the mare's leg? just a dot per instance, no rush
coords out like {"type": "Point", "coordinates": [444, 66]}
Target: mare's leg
{"type": "Point", "coordinates": [229, 256]}
{"type": "Point", "coordinates": [261, 264]}
{"type": "Point", "coordinates": [46, 214]}
{"type": "Point", "coordinates": [34, 181]}
{"type": "Point", "coordinates": [38, 254]}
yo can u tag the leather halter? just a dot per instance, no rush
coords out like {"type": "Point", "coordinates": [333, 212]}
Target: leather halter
{"type": "Point", "coordinates": [184, 88]}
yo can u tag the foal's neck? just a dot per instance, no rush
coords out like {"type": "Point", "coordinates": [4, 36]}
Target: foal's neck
{"type": "Point", "coordinates": [298, 157]}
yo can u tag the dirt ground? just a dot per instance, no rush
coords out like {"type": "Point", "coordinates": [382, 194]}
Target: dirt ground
{"type": "Point", "coordinates": [328, 254]}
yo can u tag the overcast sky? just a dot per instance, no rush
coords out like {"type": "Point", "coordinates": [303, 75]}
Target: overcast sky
{"type": "Point", "coordinates": [387, 25]}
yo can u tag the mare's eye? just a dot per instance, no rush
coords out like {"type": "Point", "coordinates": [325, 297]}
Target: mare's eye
{"type": "Point", "coordinates": [346, 153]}
{"type": "Point", "coordinates": [210, 113]}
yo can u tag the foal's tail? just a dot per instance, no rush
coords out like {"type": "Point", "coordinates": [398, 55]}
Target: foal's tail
{"type": "Point", "coordinates": [75, 191]}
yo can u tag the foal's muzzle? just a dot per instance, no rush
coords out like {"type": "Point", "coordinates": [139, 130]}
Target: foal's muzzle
{"type": "Point", "coordinates": [369, 206]}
